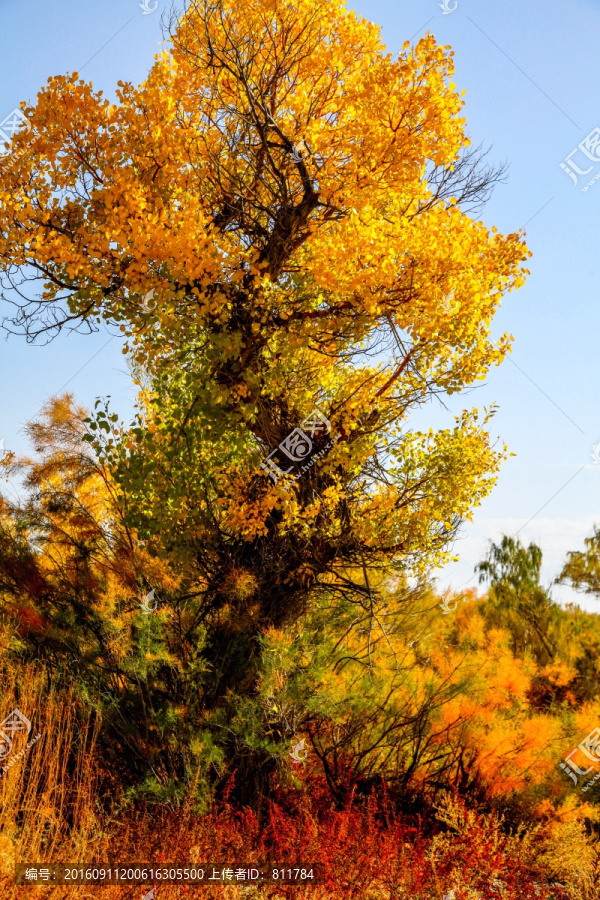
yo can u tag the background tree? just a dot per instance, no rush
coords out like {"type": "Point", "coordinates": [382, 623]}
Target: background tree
{"type": "Point", "coordinates": [293, 197]}
{"type": "Point", "coordinates": [582, 569]}
{"type": "Point", "coordinates": [513, 573]}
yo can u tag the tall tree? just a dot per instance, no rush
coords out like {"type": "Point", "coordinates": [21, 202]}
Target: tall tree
{"type": "Point", "coordinates": [280, 222]}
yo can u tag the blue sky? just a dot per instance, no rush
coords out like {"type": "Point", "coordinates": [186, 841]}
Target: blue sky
{"type": "Point", "coordinates": [528, 70]}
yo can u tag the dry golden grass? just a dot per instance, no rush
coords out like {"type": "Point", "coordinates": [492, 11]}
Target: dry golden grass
{"type": "Point", "coordinates": [49, 791]}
